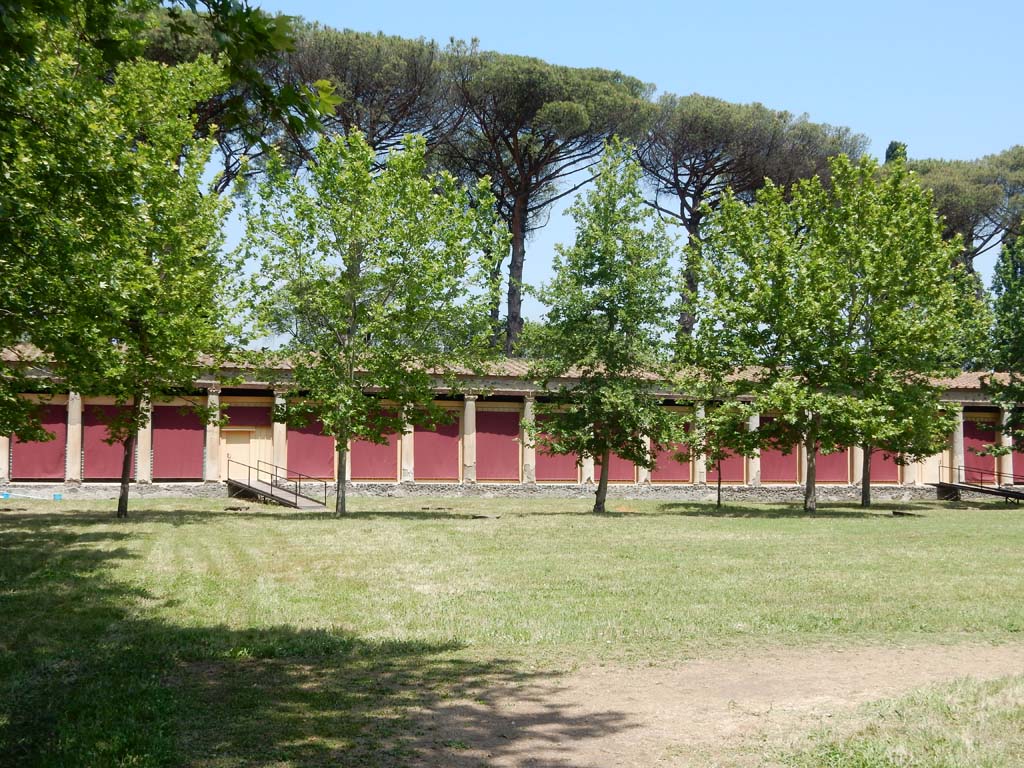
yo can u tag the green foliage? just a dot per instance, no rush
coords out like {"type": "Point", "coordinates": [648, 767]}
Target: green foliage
{"type": "Point", "coordinates": [1008, 337]}
{"type": "Point", "coordinates": [698, 146]}
{"type": "Point", "coordinates": [835, 307]}
{"type": "Point", "coordinates": [379, 282]}
{"type": "Point", "coordinates": [609, 312]}
{"type": "Point", "coordinates": [980, 200]}
{"type": "Point", "coordinates": [529, 126]}
{"type": "Point", "coordinates": [897, 150]}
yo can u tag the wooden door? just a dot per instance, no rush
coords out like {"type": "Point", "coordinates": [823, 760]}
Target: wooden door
{"type": "Point", "coordinates": [236, 445]}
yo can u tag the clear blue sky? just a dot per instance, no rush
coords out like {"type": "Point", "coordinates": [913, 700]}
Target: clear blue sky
{"type": "Point", "coordinates": [944, 77]}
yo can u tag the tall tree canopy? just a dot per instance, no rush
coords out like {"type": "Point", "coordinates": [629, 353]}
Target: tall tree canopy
{"type": "Point", "coordinates": [836, 306]}
{"type": "Point", "coordinates": [609, 308]}
{"type": "Point", "coordinates": [379, 281]}
{"type": "Point", "coordinates": [698, 146]}
{"type": "Point", "coordinates": [1008, 335]}
{"type": "Point", "coordinates": [981, 200]}
{"type": "Point", "coordinates": [531, 127]}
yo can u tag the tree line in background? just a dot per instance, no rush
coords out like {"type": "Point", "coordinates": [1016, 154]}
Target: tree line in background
{"type": "Point", "coordinates": [832, 279]}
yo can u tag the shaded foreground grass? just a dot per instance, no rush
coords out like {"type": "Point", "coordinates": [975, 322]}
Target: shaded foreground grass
{"type": "Point", "coordinates": [221, 634]}
{"type": "Point", "coordinates": [967, 724]}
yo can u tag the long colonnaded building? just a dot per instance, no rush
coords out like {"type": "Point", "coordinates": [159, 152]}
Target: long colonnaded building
{"type": "Point", "coordinates": [483, 449]}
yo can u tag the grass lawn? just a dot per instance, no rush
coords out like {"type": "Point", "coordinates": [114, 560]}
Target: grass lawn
{"type": "Point", "coordinates": [217, 633]}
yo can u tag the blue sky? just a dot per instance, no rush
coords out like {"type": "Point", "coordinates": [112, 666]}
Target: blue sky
{"type": "Point", "coordinates": [941, 76]}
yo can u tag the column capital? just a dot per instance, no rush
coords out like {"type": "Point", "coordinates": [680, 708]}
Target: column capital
{"type": "Point", "coordinates": [530, 397]}
{"type": "Point", "coordinates": [470, 398]}
{"type": "Point", "coordinates": [74, 397]}
{"type": "Point", "coordinates": [213, 389]}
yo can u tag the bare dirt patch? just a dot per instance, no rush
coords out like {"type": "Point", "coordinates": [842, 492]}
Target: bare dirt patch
{"type": "Point", "coordinates": [712, 712]}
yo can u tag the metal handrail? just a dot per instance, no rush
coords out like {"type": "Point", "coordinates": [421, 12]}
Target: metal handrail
{"type": "Point", "coordinates": [285, 483]}
{"type": "Point", "coordinates": [960, 473]}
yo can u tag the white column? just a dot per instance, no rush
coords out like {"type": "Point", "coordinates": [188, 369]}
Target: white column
{"type": "Point", "coordinates": [1005, 441]}
{"type": "Point", "coordinates": [144, 448]}
{"type": "Point", "coordinates": [957, 447]}
{"type": "Point", "coordinates": [643, 474]}
{"type": "Point", "coordinates": [408, 463]}
{"type": "Point", "coordinates": [700, 468]}
{"type": "Point", "coordinates": [858, 463]}
{"type": "Point", "coordinates": [469, 439]}
{"type": "Point", "coordinates": [74, 446]}
{"type": "Point", "coordinates": [754, 462]}
{"type": "Point", "coordinates": [529, 449]}
{"type": "Point", "coordinates": [211, 472]}
{"type": "Point", "coordinates": [588, 469]}
{"type": "Point", "coordinates": [5, 459]}
{"type": "Point", "coordinates": [279, 433]}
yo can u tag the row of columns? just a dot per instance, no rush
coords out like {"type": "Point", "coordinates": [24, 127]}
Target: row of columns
{"type": "Point", "coordinates": [912, 473]}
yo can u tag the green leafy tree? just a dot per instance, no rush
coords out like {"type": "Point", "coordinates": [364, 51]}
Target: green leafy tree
{"type": "Point", "coordinates": [698, 146]}
{"type": "Point", "coordinates": [532, 127]}
{"type": "Point", "coordinates": [609, 312]}
{"type": "Point", "coordinates": [378, 281]}
{"type": "Point", "coordinates": [981, 201]}
{"type": "Point", "coordinates": [836, 306]}
{"type": "Point", "coordinates": [163, 289]}
{"type": "Point", "coordinates": [71, 180]}
{"type": "Point", "coordinates": [1008, 338]}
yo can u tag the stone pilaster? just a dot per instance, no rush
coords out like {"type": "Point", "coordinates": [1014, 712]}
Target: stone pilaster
{"type": "Point", "coordinates": [408, 454]}
{"type": "Point", "coordinates": [73, 473]}
{"type": "Point", "coordinates": [529, 448]}
{"type": "Point", "coordinates": [5, 459]}
{"type": "Point", "coordinates": [469, 439]}
{"type": "Point", "coordinates": [279, 433]}
{"type": "Point", "coordinates": [754, 462]}
{"type": "Point", "coordinates": [211, 472]}
{"type": "Point", "coordinates": [589, 475]}
{"type": "Point", "coordinates": [1005, 441]}
{"type": "Point", "coordinates": [643, 474]}
{"type": "Point", "coordinates": [144, 448]}
{"type": "Point", "coordinates": [700, 466]}
{"type": "Point", "coordinates": [956, 446]}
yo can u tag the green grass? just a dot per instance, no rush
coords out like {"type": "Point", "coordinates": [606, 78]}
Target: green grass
{"type": "Point", "coordinates": [196, 633]}
{"type": "Point", "coordinates": [967, 724]}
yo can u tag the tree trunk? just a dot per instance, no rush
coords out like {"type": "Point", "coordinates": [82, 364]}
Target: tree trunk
{"type": "Point", "coordinates": [340, 507]}
{"type": "Point", "coordinates": [687, 313]}
{"type": "Point", "coordinates": [865, 478]}
{"type": "Point", "coordinates": [718, 500]}
{"type": "Point", "coordinates": [515, 276]}
{"type": "Point", "coordinates": [602, 485]}
{"type": "Point", "coordinates": [811, 481]}
{"type": "Point", "coordinates": [129, 454]}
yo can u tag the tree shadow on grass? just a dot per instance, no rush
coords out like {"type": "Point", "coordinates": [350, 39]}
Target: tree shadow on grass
{"type": "Point", "coordinates": [89, 677]}
{"type": "Point", "coordinates": [782, 511]}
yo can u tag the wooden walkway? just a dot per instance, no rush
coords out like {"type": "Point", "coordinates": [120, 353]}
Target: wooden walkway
{"type": "Point", "coordinates": [271, 493]}
{"type": "Point", "coordinates": [953, 491]}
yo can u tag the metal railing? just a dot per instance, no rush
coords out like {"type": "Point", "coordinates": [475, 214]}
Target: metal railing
{"type": "Point", "coordinates": [278, 478]}
{"type": "Point", "coordinates": [984, 478]}
{"type": "Point", "coordinates": [291, 481]}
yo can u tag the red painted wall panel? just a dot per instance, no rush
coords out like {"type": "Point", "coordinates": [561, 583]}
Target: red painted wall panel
{"type": "Point", "coordinates": [732, 470]}
{"type": "Point", "coordinates": [977, 435]}
{"type": "Point", "coordinates": [497, 445]}
{"type": "Point", "coordinates": [1018, 468]}
{"type": "Point", "coordinates": [248, 415]}
{"type": "Point", "coordinates": [43, 461]}
{"type": "Point", "coordinates": [100, 460]}
{"type": "Point", "coordinates": [371, 461]}
{"type": "Point", "coordinates": [310, 451]}
{"type": "Point", "coordinates": [884, 468]}
{"type": "Point", "coordinates": [619, 470]}
{"type": "Point", "coordinates": [553, 468]}
{"type": "Point", "coordinates": [668, 470]}
{"type": "Point", "coordinates": [436, 453]}
{"type": "Point", "coordinates": [833, 467]}
{"type": "Point", "coordinates": [777, 467]}
{"type": "Point", "coordinates": [178, 441]}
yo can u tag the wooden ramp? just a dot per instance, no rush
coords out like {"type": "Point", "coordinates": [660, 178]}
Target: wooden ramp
{"type": "Point", "coordinates": [952, 491]}
{"type": "Point", "coordinates": [275, 485]}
